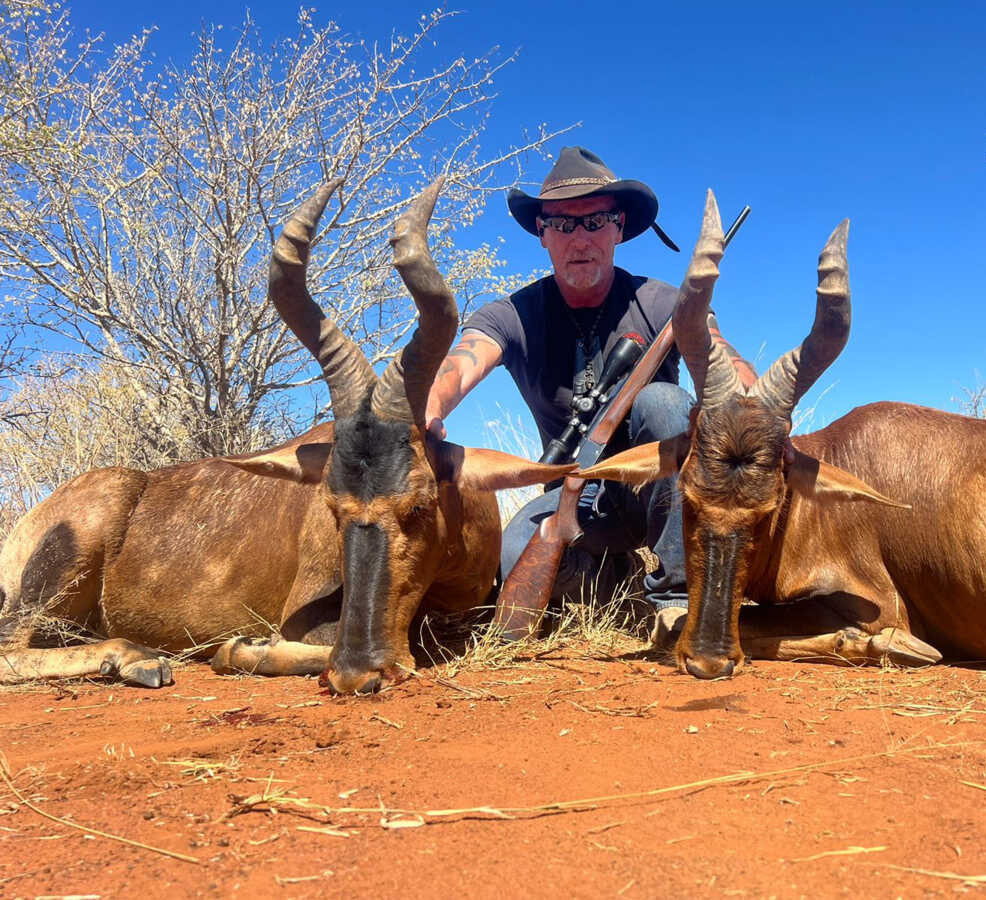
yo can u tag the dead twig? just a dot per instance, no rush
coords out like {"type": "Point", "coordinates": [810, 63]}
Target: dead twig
{"type": "Point", "coordinates": [429, 816]}
{"type": "Point", "coordinates": [951, 876]}
{"type": "Point", "coordinates": [849, 851]}
{"type": "Point", "coordinates": [376, 717]}
{"type": "Point", "coordinates": [632, 711]}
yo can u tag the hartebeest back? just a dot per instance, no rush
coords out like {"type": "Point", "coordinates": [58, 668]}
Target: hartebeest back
{"type": "Point", "coordinates": [845, 537]}
{"type": "Point", "coordinates": [337, 537]}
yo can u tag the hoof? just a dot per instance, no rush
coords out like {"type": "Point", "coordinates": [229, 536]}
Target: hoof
{"type": "Point", "coordinates": [231, 657]}
{"type": "Point", "coordinates": [667, 628]}
{"type": "Point", "coordinates": [901, 648]}
{"type": "Point", "coordinates": [149, 673]}
{"type": "Point", "coordinates": [135, 664]}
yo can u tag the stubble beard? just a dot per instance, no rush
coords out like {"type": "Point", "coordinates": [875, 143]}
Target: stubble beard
{"type": "Point", "coordinates": [582, 276]}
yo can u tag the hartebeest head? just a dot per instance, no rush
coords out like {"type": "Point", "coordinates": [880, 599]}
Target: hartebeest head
{"type": "Point", "coordinates": [392, 493]}
{"type": "Point", "coordinates": [732, 477]}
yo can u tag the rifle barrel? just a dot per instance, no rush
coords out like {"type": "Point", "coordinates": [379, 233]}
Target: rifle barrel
{"type": "Point", "coordinates": [739, 220]}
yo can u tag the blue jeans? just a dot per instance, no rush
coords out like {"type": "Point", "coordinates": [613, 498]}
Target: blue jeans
{"type": "Point", "coordinates": [615, 520]}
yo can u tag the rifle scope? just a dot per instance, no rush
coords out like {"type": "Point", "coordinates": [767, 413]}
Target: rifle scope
{"type": "Point", "coordinates": [621, 360]}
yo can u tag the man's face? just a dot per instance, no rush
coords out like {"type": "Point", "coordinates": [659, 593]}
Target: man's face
{"type": "Point", "coordinates": [582, 259]}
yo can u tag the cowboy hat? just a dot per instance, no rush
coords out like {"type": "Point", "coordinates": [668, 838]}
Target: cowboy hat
{"type": "Point", "coordinates": [580, 173]}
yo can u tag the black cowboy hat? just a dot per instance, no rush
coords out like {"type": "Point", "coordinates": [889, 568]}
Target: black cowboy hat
{"type": "Point", "coordinates": [580, 173]}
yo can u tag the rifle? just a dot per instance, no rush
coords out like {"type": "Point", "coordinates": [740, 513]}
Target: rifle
{"type": "Point", "coordinates": [525, 594]}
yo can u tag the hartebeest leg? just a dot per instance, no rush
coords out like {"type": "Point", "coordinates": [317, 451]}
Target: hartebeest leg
{"type": "Point", "coordinates": [810, 630]}
{"type": "Point", "coordinates": [270, 656]}
{"type": "Point", "coordinates": [849, 646]}
{"type": "Point", "coordinates": [792, 632]}
{"type": "Point", "coordinates": [131, 663]}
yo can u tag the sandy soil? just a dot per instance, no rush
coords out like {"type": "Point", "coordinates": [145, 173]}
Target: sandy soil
{"type": "Point", "coordinates": [563, 777]}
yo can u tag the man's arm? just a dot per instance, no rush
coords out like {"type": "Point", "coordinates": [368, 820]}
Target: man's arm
{"type": "Point", "coordinates": [467, 364]}
{"type": "Point", "coordinates": [747, 375]}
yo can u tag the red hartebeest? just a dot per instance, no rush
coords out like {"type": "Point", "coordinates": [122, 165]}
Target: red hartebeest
{"type": "Point", "coordinates": [869, 545]}
{"type": "Point", "coordinates": [337, 537]}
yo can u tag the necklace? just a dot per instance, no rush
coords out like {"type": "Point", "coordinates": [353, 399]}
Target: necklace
{"type": "Point", "coordinates": [585, 371]}
{"type": "Point", "coordinates": [585, 339]}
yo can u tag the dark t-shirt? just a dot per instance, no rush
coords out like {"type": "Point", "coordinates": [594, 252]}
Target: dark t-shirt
{"type": "Point", "coordinates": [535, 330]}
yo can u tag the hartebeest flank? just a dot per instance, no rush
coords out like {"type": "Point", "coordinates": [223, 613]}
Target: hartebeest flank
{"type": "Point", "coordinates": [337, 537]}
{"type": "Point", "coordinates": [870, 544]}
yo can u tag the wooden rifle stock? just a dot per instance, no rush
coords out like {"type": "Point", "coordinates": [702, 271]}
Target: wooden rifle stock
{"type": "Point", "coordinates": [527, 590]}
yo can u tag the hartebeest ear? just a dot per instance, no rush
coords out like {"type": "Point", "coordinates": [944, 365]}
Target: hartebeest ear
{"type": "Point", "coordinates": [302, 462]}
{"type": "Point", "coordinates": [490, 470]}
{"type": "Point", "coordinates": [815, 478]}
{"type": "Point", "coordinates": [641, 465]}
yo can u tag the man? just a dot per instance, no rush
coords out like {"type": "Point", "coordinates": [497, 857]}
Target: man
{"type": "Point", "coordinates": [553, 336]}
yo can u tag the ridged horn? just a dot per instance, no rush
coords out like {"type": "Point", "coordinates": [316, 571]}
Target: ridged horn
{"type": "Point", "coordinates": [403, 390]}
{"type": "Point", "coordinates": [712, 372]}
{"type": "Point", "coordinates": [786, 381]}
{"type": "Point", "coordinates": [346, 370]}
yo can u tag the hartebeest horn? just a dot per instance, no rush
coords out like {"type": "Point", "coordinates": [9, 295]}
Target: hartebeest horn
{"type": "Point", "coordinates": [403, 389]}
{"type": "Point", "coordinates": [713, 374]}
{"type": "Point", "coordinates": [346, 370]}
{"type": "Point", "coordinates": [786, 381]}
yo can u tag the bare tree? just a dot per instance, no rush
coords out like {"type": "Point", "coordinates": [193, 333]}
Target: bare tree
{"type": "Point", "coordinates": [973, 401]}
{"type": "Point", "coordinates": [139, 203]}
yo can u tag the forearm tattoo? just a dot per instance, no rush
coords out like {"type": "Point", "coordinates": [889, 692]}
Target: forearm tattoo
{"type": "Point", "coordinates": [464, 350]}
{"type": "Point", "coordinates": [468, 354]}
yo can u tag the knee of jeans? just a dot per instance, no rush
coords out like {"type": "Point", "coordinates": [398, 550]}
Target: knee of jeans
{"type": "Point", "coordinates": [659, 411]}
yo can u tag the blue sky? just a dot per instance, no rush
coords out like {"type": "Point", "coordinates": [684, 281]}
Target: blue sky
{"type": "Point", "coordinates": [809, 113]}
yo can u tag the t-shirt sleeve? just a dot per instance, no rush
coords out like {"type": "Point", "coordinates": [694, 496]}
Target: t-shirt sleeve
{"type": "Point", "coordinates": [498, 321]}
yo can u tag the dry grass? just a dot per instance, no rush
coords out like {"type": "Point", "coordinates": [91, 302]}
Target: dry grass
{"type": "Point", "coordinates": [69, 418]}
{"type": "Point", "coordinates": [509, 434]}
{"type": "Point", "coordinates": [588, 627]}
{"type": "Point", "coordinates": [8, 779]}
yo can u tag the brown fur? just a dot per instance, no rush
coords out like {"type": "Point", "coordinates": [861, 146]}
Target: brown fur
{"type": "Point", "coordinates": [736, 453]}
{"type": "Point", "coordinates": [869, 567]}
{"type": "Point", "coordinates": [872, 545]}
{"type": "Point", "coordinates": [922, 569]}
{"type": "Point", "coordinates": [340, 535]}
{"type": "Point", "coordinates": [203, 551]}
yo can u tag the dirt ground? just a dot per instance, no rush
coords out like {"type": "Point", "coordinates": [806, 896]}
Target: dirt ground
{"type": "Point", "coordinates": [564, 776]}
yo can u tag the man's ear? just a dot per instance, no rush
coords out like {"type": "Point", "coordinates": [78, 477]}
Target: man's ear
{"type": "Point", "coordinates": [641, 465]}
{"type": "Point", "coordinates": [303, 463]}
{"type": "Point", "coordinates": [813, 478]}
{"type": "Point", "coordinates": [489, 470]}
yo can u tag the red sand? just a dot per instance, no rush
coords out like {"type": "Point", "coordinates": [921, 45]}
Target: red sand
{"type": "Point", "coordinates": [893, 781]}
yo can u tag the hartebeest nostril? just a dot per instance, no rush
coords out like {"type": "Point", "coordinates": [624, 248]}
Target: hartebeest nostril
{"type": "Point", "coordinates": [370, 686]}
{"type": "Point", "coordinates": [709, 667]}
{"type": "Point", "coordinates": [351, 682]}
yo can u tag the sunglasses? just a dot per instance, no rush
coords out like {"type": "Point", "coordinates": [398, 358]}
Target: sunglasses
{"type": "Point", "coordinates": [568, 224]}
